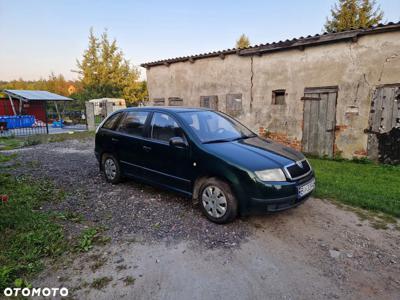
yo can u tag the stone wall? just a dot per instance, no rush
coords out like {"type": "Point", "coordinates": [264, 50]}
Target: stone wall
{"type": "Point", "coordinates": [356, 67]}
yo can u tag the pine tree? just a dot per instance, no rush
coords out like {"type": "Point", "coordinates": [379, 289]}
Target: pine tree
{"type": "Point", "coordinates": [243, 42]}
{"type": "Point", "coordinates": [350, 14]}
{"type": "Point", "coordinates": [368, 15]}
{"type": "Point", "coordinates": [104, 72]}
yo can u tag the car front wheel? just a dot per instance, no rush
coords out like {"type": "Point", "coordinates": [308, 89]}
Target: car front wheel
{"type": "Point", "coordinates": [217, 201]}
{"type": "Point", "coordinates": [111, 168]}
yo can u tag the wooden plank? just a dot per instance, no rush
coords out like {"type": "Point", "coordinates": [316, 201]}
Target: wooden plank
{"type": "Point", "coordinates": [313, 135]}
{"type": "Point", "coordinates": [306, 127]}
{"type": "Point", "coordinates": [396, 107]}
{"type": "Point", "coordinates": [377, 107]}
{"type": "Point", "coordinates": [320, 90]}
{"type": "Point", "coordinates": [12, 104]}
{"type": "Point", "coordinates": [321, 129]}
{"type": "Point", "coordinates": [330, 123]}
{"type": "Point", "coordinates": [310, 98]}
{"type": "Point", "coordinates": [387, 109]}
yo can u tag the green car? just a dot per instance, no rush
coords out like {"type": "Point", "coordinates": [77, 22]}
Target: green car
{"type": "Point", "coordinates": [205, 155]}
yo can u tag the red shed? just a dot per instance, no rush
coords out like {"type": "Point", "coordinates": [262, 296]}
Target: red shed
{"type": "Point", "coordinates": [26, 102]}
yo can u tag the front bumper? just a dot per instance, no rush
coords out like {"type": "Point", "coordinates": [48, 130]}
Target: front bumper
{"type": "Point", "coordinates": [270, 198]}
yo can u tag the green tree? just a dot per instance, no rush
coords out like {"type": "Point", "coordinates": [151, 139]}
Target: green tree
{"type": "Point", "coordinates": [243, 42]}
{"type": "Point", "coordinates": [350, 14]}
{"type": "Point", "coordinates": [104, 72]}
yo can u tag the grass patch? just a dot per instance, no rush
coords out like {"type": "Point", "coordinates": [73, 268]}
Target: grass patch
{"type": "Point", "coordinates": [98, 263]}
{"type": "Point", "coordinates": [91, 237]}
{"type": "Point", "coordinates": [28, 235]}
{"type": "Point", "coordinates": [70, 216]}
{"type": "Point", "coordinates": [9, 143]}
{"type": "Point", "coordinates": [100, 283]}
{"type": "Point", "coordinates": [129, 280]}
{"type": "Point", "coordinates": [361, 184]}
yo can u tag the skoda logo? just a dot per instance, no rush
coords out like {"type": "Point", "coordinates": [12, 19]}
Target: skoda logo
{"type": "Point", "coordinates": [300, 164]}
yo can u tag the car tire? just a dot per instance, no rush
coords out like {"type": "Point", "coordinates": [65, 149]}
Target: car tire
{"type": "Point", "coordinates": [111, 168]}
{"type": "Point", "coordinates": [217, 201]}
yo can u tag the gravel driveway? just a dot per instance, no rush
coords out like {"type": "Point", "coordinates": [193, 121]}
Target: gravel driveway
{"type": "Point", "coordinates": [162, 247]}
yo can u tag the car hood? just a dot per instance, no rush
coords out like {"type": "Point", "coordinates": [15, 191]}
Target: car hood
{"type": "Point", "coordinates": [254, 153]}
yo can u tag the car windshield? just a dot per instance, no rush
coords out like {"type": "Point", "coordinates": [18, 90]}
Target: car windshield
{"type": "Point", "coordinates": [213, 127]}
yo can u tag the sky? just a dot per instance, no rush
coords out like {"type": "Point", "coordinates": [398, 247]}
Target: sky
{"type": "Point", "coordinates": [43, 36]}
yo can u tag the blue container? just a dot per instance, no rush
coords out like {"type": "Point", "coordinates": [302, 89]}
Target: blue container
{"type": "Point", "coordinates": [11, 122]}
{"type": "Point", "coordinates": [18, 121]}
{"type": "Point", "coordinates": [27, 121]}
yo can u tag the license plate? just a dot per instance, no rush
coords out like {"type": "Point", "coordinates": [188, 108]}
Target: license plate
{"type": "Point", "coordinates": [306, 188]}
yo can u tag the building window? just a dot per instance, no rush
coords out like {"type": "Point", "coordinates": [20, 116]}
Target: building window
{"type": "Point", "coordinates": [158, 101]}
{"type": "Point", "coordinates": [209, 102]}
{"type": "Point", "coordinates": [175, 101]}
{"type": "Point", "coordinates": [278, 97]}
{"type": "Point", "coordinates": [234, 104]}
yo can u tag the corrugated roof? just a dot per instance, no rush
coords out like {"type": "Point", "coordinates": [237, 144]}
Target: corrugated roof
{"type": "Point", "coordinates": [295, 43]}
{"type": "Point", "coordinates": [30, 95]}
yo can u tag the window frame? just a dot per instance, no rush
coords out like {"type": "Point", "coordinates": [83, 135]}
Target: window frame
{"type": "Point", "coordinates": [232, 112]}
{"type": "Point", "coordinates": [158, 101]}
{"type": "Point", "coordinates": [278, 93]}
{"type": "Point", "coordinates": [172, 99]}
{"type": "Point", "coordinates": [209, 99]}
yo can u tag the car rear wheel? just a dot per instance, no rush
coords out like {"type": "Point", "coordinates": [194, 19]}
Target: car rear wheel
{"type": "Point", "coordinates": [217, 201]}
{"type": "Point", "coordinates": [111, 168]}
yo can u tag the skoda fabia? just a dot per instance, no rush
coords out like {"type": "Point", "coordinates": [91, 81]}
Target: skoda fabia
{"type": "Point", "coordinates": [205, 155]}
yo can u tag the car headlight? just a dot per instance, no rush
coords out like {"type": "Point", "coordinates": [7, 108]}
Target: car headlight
{"type": "Point", "coordinates": [271, 175]}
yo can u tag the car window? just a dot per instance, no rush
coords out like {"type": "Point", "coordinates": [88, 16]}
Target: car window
{"type": "Point", "coordinates": [211, 126]}
{"type": "Point", "coordinates": [164, 127]}
{"type": "Point", "coordinates": [133, 123]}
{"type": "Point", "coordinates": [111, 121]}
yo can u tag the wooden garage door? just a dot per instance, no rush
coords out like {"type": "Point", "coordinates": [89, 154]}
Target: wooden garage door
{"type": "Point", "coordinates": [319, 120]}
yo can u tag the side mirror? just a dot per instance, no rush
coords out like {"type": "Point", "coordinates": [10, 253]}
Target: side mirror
{"type": "Point", "coordinates": [177, 142]}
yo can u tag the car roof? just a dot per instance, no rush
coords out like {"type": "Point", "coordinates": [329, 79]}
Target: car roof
{"type": "Point", "coordinates": [174, 109]}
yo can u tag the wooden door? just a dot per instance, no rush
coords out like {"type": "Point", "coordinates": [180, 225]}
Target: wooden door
{"type": "Point", "coordinates": [384, 116]}
{"type": "Point", "coordinates": [319, 121]}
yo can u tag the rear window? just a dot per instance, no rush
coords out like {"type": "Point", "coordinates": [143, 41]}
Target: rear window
{"type": "Point", "coordinates": [111, 121]}
{"type": "Point", "coordinates": [133, 123]}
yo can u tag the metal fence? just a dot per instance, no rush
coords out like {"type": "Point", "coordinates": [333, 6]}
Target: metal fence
{"type": "Point", "coordinates": [23, 131]}
{"type": "Point", "coordinates": [25, 125]}
{"type": "Point", "coordinates": [21, 126]}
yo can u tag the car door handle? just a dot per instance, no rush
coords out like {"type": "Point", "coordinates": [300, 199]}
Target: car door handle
{"type": "Point", "coordinates": [114, 140]}
{"type": "Point", "coordinates": [146, 148]}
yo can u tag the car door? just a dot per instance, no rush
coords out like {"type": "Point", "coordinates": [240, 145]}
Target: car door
{"type": "Point", "coordinates": [165, 164]}
{"type": "Point", "coordinates": [105, 135]}
{"type": "Point", "coordinates": [128, 140]}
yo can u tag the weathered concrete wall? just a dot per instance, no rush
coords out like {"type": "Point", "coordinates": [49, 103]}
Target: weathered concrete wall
{"type": "Point", "coordinates": [355, 67]}
{"type": "Point", "coordinates": [213, 76]}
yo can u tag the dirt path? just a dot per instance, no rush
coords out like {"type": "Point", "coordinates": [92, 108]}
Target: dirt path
{"type": "Point", "coordinates": [163, 248]}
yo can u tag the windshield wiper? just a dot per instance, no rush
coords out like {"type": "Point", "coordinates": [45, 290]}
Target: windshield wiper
{"type": "Point", "coordinates": [249, 136]}
{"type": "Point", "coordinates": [218, 141]}
{"type": "Point", "coordinates": [230, 140]}
{"type": "Point", "coordinates": [243, 137]}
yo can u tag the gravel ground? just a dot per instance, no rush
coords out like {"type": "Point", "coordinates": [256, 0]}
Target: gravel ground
{"type": "Point", "coordinates": [168, 250]}
{"type": "Point", "coordinates": [127, 208]}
